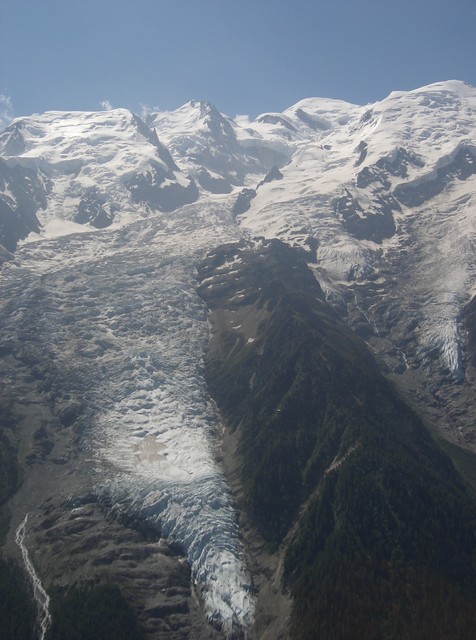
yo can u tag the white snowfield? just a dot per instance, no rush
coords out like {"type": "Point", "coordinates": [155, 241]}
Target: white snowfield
{"type": "Point", "coordinates": [432, 124]}
{"type": "Point", "coordinates": [80, 151]}
{"type": "Point", "coordinates": [123, 314]}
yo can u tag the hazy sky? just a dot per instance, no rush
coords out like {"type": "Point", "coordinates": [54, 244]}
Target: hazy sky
{"type": "Point", "coordinates": [244, 56]}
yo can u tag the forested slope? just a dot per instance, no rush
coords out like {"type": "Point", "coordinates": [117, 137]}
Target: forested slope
{"type": "Point", "coordinates": [375, 526]}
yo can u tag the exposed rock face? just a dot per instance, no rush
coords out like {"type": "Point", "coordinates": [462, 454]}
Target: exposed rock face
{"type": "Point", "coordinates": [273, 174]}
{"type": "Point", "coordinates": [154, 189]}
{"type": "Point", "coordinates": [376, 226]}
{"type": "Point", "coordinates": [93, 210]}
{"type": "Point", "coordinates": [361, 149]}
{"type": "Point", "coordinates": [314, 122]}
{"type": "Point", "coordinates": [243, 201]}
{"type": "Point", "coordinates": [213, 183]}
{"type": "Point", "coordinates": [395, 165]}
{"type": "Point", "coordinates": [461, 166]}
{"type": "Point", "coordinates": [23, 193]}
{"type": "Point", "coordinates": [12, 140]}
{"type": "Point", "coordinates": [93, 543]}
{"type": "Point", "coordinates": [272, 118]}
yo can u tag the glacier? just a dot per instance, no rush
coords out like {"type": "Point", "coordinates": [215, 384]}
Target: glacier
{"type": "Point", "coordinates": [105, 290]}
{"type": "Point", "coordinates": [125, 327]}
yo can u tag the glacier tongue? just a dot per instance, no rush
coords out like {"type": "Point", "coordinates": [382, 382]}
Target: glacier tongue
{"type": "Point", "coordinates": [165, 448]}
{"type": "Point", "coordinates": [126, 331]}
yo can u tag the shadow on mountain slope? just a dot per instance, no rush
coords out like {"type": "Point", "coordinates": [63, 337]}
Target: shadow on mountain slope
{"type": "Point", "coordinates": [374, 527]}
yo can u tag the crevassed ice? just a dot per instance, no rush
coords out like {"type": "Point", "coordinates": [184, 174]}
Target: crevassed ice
{"type": "Point", "coordinates": [158, 433]}
{"type": "Point", "coordinates": [130, 330]}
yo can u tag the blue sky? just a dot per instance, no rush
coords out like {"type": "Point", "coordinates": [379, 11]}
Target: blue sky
{"type": "Point", "coordinates": [244, 56]}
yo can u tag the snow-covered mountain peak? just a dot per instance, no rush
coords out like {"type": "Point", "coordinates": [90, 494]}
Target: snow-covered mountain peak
{"type": "Point", "coordinates": [206, 109]}
{"type": "Point", "coordinates": [440, 90]}
{"type": "Point", "coordinates": [363, 186]}
{"type": "Point", "coordinates": [103, 167]}
{"type": "Point", "coordinates": [337, 141]}
{"type": "Point", "coordinates": [196, 117]}
{"type": "Point", "coordinates": [218, 152]}
{"type": "Point", "coordinates": [56, 136]}
{"type": "Point", "coordinates": [431, 119]}
{"type": "Point", "coordinates": [322, 114]}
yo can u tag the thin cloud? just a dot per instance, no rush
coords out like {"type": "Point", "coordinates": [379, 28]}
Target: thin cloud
{"type": "Point", "coordinates": [146, 110]}
{"type": "Point", "coordinates": [6, 111]}
{"type": "Point", "coordinates": [242, 120]}
{"type": "Point", "coordinates": [106, 105]}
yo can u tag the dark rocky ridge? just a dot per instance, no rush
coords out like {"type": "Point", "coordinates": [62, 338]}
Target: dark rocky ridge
{"type": "Point", "coordinates": [244, 198]}
{"type": "Point", "coordinates": [93, 209]}
{"type": "Point", "coordinates": [337, 473]}
{"type": "Point", "coordinates": [364, 225]}
{"type": "Point", "coordinates": [12, 139]}
{"type": "Point", "coordinates": [152, 189]}
{"type": "Point", "coordinates": [315, 122]}
{"type": "Point", "coordinates": [273, 174]}
{"type": "Point", "coordinates": [149, 188]}
{"type": "Point", "coordinates": [375, 222]}
{"type": "Point", "coordinates": [213, 184]}
{"type": "Point", "coordinates": [29, 190]}
{"type": "Point", "coordinates": [243, 202]}
{"type": "Point", "coordinates": [274, 118]}
{"type": "Point", "coordinates": [460, 167]}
